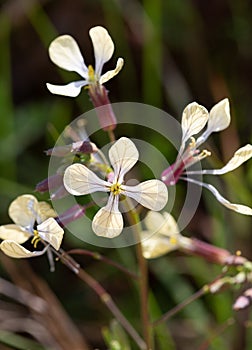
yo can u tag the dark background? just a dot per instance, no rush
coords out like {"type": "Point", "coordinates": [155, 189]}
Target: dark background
{"type": "Point", "coordinates": [175, 52]}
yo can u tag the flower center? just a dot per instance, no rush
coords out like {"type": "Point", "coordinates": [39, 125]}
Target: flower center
{"type": "Point", "coordinates": [115, 189]}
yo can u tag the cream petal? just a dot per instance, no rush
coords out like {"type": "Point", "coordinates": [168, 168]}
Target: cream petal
{"type": "Point", "coordinates": [239, 208]}
{"type": "Point", "coordinates": [23, 210]}
{"type": "Point", "coordinates": [65, 53]}
{"type": "Point", "coordinates": [157, 245]}
{"type": "Point", "coordinates": [14, 233]}
{"type": "Point", "coordinates": [72, 89]}
{"type": "Point", "coordinates": [163, 223]}
{"type": "Point", "coordinates": [241, 155]}
{"type": "Point", "coordinates": [219, 116]}
{"type": "Point", "coordinates": [45, 211]}
{"type": "Point", "coordinates": [108, 221]}
{"type": "Point", "coordinates": [79, 180]}
{"type": "Point", "coordinates": [14, 250]}
{"type": "Point", "coordinates": [162, 236]}
{"type": "Point", "coordinates": [219, 119]}
{"type": "Point", "coordinates": [111, 73]}
{"type": "Point", "coordinates": [151, 194]}
{"type": "Point", "coordinates": [123, 156]}
{"type": "Point", "coordinates": [51, 232]}
{"type": "Point", "coordinates": [154, 221]}
{"type": "Point", "coordinates": [103, 47]}
{"type": "Point", "coordinates": [194, 118]}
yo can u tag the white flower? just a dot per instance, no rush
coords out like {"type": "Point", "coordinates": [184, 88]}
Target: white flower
{"type": "Point", "coordinates": [108, 221]}
{"type": "Point", "coordinates": [65, 53]}
{"type": "Point", "coordinates": [194, 119]}
{"type": "Point", "coordinates": [162, 235]}
{"type": "Point", "coordinates": [31, 219]}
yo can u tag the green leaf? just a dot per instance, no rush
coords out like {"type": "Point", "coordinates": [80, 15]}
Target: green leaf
{"type": "Point", "coordinates": [115, 337]}
{"type": "Point", "coordinates": [19, 342]}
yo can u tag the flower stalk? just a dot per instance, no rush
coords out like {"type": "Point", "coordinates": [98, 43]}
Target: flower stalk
{"type": "Point", "coordinates": [133, 218]}
{"type": "Point", "coordinates": [104, 296]}
{"type": "Point", "coordinates": [106, 116]}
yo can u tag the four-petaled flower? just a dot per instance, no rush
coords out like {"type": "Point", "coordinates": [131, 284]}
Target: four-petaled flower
{"type": "Point", "coordinates": [162, 235]}
{"type": "Point", "coordinates": [194, 119]}
{"type": "Point", "coordinates": [65, 53]}
{"type": "Point", "coordinates": [31, 219]}
{"type": "Point", "coordinates": [108, 221]}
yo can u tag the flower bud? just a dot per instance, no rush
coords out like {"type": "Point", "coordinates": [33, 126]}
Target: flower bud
{"type": "Point", "coordinates": [73, 213]}
{"type": "Point", "coordinates": [53, 181]}
{"type": "Point", "coordinates": [101, 102]}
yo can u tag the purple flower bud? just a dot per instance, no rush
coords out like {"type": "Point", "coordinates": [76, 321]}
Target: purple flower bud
{"type": "Point", "coordinates": [106, 116]}
{"type": "Point", "coordinates": [60, 151]}
{"type": "Point", "coordinates": [51, 182]}
{"type": "Point", "coordinates": [243, 301]}
{"type": "Point", "coordinates": [61, 192]}
{"type": "Point", "coordinates": [73, 213]}
{"type": "Point", "coordinates": [208, 251]}
{"type": "Point", "coordinates": [85, 147]}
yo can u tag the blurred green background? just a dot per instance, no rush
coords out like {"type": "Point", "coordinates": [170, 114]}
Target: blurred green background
{"type": "Point", "coordinates": [175, 52]}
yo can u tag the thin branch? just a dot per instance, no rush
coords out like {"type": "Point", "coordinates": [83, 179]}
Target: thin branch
{"type": "Point", "coordinates": [111, 135]}
{"type": "Point", "coordinates": [98, 256]}
{"type": "Point", "coordinates": [133, 218]}
{"type": "Point", "coordinates": [181, 306]}
{"type": "Point", "coordinates": [103, 295]}
{"type": "Point", "coordinates": [204, 290]}
{"type": "Point", "coordinates": [205, 345]}
{"type": "Point", "coordinates": [144, 288]}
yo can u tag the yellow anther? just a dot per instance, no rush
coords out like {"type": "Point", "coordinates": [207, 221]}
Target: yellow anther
{"type": "Point", "coordinates": [192, 144]}
{"type": "Point", "coordinates": [91, 73]}
{"type": "Point", "coordinates": [115, 189]}
{"type": "Point", "coordinates": [238, 253]}
{"type": "Point", "coordinates": [173, 240]}
{"type": "Point", "coordinates": [203, 154]}
{"type": "Point", "coordinates": [35, 239]}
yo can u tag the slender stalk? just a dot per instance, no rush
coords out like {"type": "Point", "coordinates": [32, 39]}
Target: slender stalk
{"type": "Point", "coordinates": [144, 289]}
{"type": "Point", "coordinates": [204, 290]}
{"type": "Point", "coordinates": [143, 268]}
{"type": "Point", "coordinates": [144, 286]}
{"type": "Point", "coordinates": [206, 344]}
{"type": "Point", "coordinates": [98, 256]}
{"type": "Point", "coordinates": [111, 135]}
{"type": "Point", "coordinates": [103, 295]}
{"type": "Point", "coordinates": [181, 306]}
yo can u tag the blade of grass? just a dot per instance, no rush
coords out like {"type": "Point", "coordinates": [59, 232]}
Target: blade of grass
{"type": "Point", "coordinates": [19, 342]}
{"type": "Point", "coordinates": [7, 154]}
{"type": "Point", "coordinates": [152, 52]}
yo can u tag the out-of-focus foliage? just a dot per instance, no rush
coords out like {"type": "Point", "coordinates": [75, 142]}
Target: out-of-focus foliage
{"type": "Point", "coordinates": [175, 52]}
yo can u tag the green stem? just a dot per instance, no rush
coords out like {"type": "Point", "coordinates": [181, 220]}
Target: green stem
{"type": "Point", "coordinates": [144, 289]}
{"type": "Point", "coordinates": [204, 290]}
{"type": "Point", "coordinates": [111, 135]}
{"type": "Point", "coordinates": [143, 267]}
{"type": "Point", "coordinates": [181, 306]}
{"type": "Point", "coordinates": [103, 295]}
{"type": "Point", "coordinates": [133, 218]}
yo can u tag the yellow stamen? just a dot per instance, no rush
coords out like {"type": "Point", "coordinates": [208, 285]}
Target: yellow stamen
{"type": "Point", "coordinates": [91, 73]}
{"type": "Point", "coordinates": [192, 144]}
{"type": "Point", "coordinates": [203, 154]}
{"type": "Point", "coordinates": [35, 239]}
{"type": "Point", "coordinates": [173, 240]}
{"type": "Point", "coordinates": [115, 189]}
